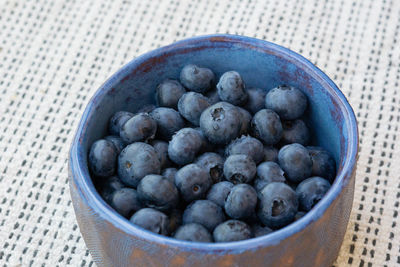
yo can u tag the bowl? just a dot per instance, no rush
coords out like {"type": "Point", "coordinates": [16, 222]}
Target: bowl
{"type": "Point", "coordinates": [314, 240]}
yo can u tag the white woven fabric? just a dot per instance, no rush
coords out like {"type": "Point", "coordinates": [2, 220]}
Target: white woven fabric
{"type": "Point", "coordinates": [55, 54]}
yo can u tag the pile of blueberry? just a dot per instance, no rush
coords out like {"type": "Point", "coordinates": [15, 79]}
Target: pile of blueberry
{"type": "Point", "coordinates": [212, 163]}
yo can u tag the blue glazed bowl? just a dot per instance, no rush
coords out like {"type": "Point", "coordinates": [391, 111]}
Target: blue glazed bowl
{"type": "Point", "coordinates": [314, 240]}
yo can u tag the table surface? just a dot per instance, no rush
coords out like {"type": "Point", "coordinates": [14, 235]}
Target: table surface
{"type": "Point", "coordinates": [55, 54]}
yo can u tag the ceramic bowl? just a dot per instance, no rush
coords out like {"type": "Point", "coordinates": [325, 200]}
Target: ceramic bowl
{"type": "Point", "coordinates": [314, 240]}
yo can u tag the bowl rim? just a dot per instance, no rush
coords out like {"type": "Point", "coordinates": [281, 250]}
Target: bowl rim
{"type": "Point", "coordinates": [79, 174]}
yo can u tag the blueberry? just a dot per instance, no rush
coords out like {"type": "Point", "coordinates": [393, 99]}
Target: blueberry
{"type": "Point", "coordinates": [295, 131]}
{"type": "Point", "coordinates": [191, 105]}
{"type": "Point", "coordinates": [239, 169]}
{"type": "Point", "coordinates": [271, 172]}
{"type": "Point", "coordinates": [140, 128]}
{"type": "Point", "coordinates": [125, 201]}
{"type": "Point", "coordinates": [185, 145]}
{"type": "Point", "coordinates": [241, 201]}
{"type": "Point", "coordinates": [169, 174]}
{"type": "Point", "coordinates": [219, 192]}
{"type": "Point", "coordinates": [246, 145]}
{"type": "Point", "coordinates": [213, 97]}
{"type": "Point", "coordinates": [206, 146]}
{"type": "Point", "coordinates": [204, 212]}
{"type": "Point", "coordinates": [259, 230]}
{"type": "Point", "coordinates": [175, 219]}
{"type": "Point", "coordinates": [197, 79]}
{"type": "Point", "coordinates": [157, 192]}
{"type": "Point", "coordinates": [232, 230]}
{"type": "Point", "coordinates": [296, 162]}
{"type": "Point", "coordinates": [161, 148]}
{"type": "Point", "coordinates": [231, 88]}
{"type": "Point", "coordinates": [245, 119]}
{"type": "Point", "coordinates": [136, 161]}
{"type": "Point", "coordinates": [117, 142]}
{"type": "Point", "coordinates": [270, 153]}
{"type": "Point", "coordinates": [117, 120]}
{"type": "Point", "coordinates": [152, 220]}
{"type": "Point", "coordinates": [168, 93]}
{"type": "Point", "coordinates": [213, 164]}
{"type": "Point", "coordinates": [221, 123]}
{"type": "Point", "coordinates": [277, 205]}
{"type": "Point", "coordinates": [193, 232]}
{"type": "Point", "coordinates": [168, 121]}
{"type": "Point", "coordinates": [310, 191]}
{"type": "Point", "coordinates": [193, 182]}
{"type": "Point", "coordinates": [256, 100]}
{"type": "Point", "coordinates": [323, 164]}
{"type": "Point", "coordinates": [102, 158]}
{"type": "Point", "coordinates": [267, 126]}
{"type": "Point", "coordinates": [108, 185]}
{"type": "Point", "coordinates": [299, 215]}
{"type": "Point", "coordinates": [289, 102]}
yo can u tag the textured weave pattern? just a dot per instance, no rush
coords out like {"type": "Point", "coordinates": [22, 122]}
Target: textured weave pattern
{"type": "Point", "coordinates": [55, 54]}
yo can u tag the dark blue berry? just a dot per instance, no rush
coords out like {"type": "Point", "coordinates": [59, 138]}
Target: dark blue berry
{"type": "Point", "coordinates": [140, 128]}
{"type": "Point", "coordinates": [245, 119]}
{"type": "Point", "coordinates": [270, 154]}
{"type": "Point", "coordinates": [241, 201]}
{"type": "Point", "coordinates": [311, 191]}
{"type": "Point", "coordinates": [108, 185]}
{"type": "Point", "coordinates": [117, 142]}
{"type": "Point", "coordinates": [267, 126]}
{"type": "Point", "coordinates": [277, 205]}
{"type": "Point", "coordinates": [136, 161]}
{"type": "Point", "coordinates": [213, 97]}
{"type": "Point", "coordinates": [197, 79]}
{"type": "Point", "coordinates": [204, 212]}
{"type": "Point", "coordinates": [271, 172]}
{"type": "Point", "coordinates": [161, 148]}
{"type": "Point", "coordinates": [221, 123]}
{"type": "Point", "coordinates": [295, 131]}
{"type": "Point", "coordinates": [323, 164]}
{"type": "Point", "coordinates": [168, 121]}
{"type": "Point", "coordinates": [157, 192]}
{"type": "Point", "coordinates": [193, 232]}
{"type": "Point", "coordinates": [259, 230]}
{"type": "Point", "coordinates": [206, 146]}
{"type": "Point", "coordinates": [213, 164]}
{"type": "Point", "coordinates": [193, 182]}
{"type": "Point", "coordinates": [103, 158]}
{"type": "Point", "coordinates": [219, 192]}
{"type": "Point", "coordinates": [246, 145]}
{"type": "Point", "coordinates": [289, 102]}
{"type": "Point", "coordinates": [169, 174]}
{"type": "Point", "coordinates": [296, 162]}
{"type": "Point", "coordinates": [152, 220]}
{"type": "Point", "coordinates": [239, 169]}
{"type": "Point", "coordinates": [299, 215]}
{"type": "Point", "coordinates": [168, 93]}
{"type": "Point", "coordinates": [231, 88]}
{"type": "Point", "coordinates": [191, 105]}
{"type": "Point", "coordinates": [256, 100]}
{"type": "Point", "coordinates": [232, 230]}
{"type": "Point", "coordinates": [117, 120]}
{"type": "Point", "coordinates": [125, 201]}
{"type": "Point", "coordinates": [185, 145]}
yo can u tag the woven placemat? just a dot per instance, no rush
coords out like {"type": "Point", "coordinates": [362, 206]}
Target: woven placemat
{"type": "Point", "coordinates": [55, 54]}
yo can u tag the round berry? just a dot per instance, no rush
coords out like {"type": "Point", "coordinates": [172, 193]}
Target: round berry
{"type": "Point", "coordinates": [213, 97]}
{"type": "Point", "coordinates": [152, 220]}
{"type": "Point", "coordinates": [193, 182]}
{"type": "Point", "coordinates": [245, 120]}
{"type": "Point", "coordinates": [139, 128]}
{"type": "Point", "coordinates": [311, 191]}
{"type": "Point", "coordinates": [239, 169]}
{"type": "Point", "coordinates": [197, 79]}
{"type": "Point", "coordinates": [185, 145]}
{"type": "Point", "coordinates": [296, 162]}
{"type": "Point", "coordinates": [232, 230]}
{"type": "Point", "coordinates": [117, 120]}
{"type": "Point", "coordinates": [256, 100]}
{"type": "Point", "coordinates": [231, 88]}
{"type": "Point", "coordinates": [213, 164]}
{"type": "Point", "coordinates": [191, 105]}
{"type": "Point", "coordinates": [193, 232]}
{"type": "Point", "coordinates": [221, 123]}
{"type": "Point", "coordinates": [241, 201]}
{"type": "Point", "coordinates": [270, 153]}
{"type": "Point", "coordinates": [107, 186]}
{"type": "Point", "coordinates": [259, 230]}
{"type": "Point", "coordinates": [204, 212]}
{"type": "Point", "coordinates": [219, 192]}
{"type": "Point", "coordinates": [161, 148]}
{"type": "Point", "coordinates": [246, 145]}
{"type": "Point", "coordinates": [271, 172]}
{"type": "Point", "coordinates": [168, 93]}
{"type": "Point", "coordinates": [289, 102]}
{"type": "Point", "coordinates": [125, 201]}
{"type": "Point", "coordinates": [117, 142]}
{"type": "Point", "coordinates": [168, 121]}
{"type": "Point", "coordinates": [295, 131]}
{"type": "Point", "coordinates": [136, 161]}
{"type": "Point", "coordinates": [267, 126]}
{"type": "Point", "coordinates": [169, 174]}
{"type": "Point", "coordinates": [323, 164]}
{"type": "Point", "coordinates": [102, 158]}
